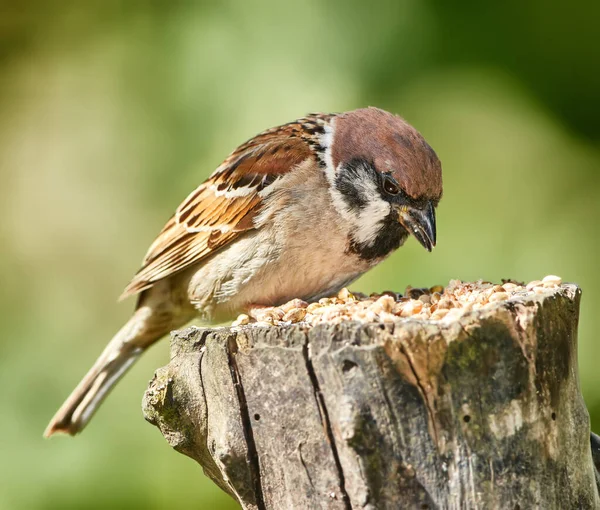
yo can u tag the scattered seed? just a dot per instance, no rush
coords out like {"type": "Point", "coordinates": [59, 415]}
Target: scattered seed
{"type": "Point", "coordinates": [384, 304]}
{"type": "Point", "coordinates": [498, 296]}
{"type": "Point", "coordinates": [415, 293]}
{"type": "Point", "coordinates": [436, 304]}
{"type": "Point", "coordinates": [557, 280]}
{"type": "Point", "coordinates": [453, 314]}
{"type": "Point", "coordinates": [413, 307]}
{"type": "Point", "coordinates": [294, 303]}
{"type": "Point", "coordinates": [398, 308]}
{"type": "Point", "coordinates": [345, 294]}
{"type": "Point", "coordinates": [439, 314]}
{"type": "Point", "coordinates": [467, 307]}
{"type": "Point", "coordinates": [312, 307]}
{"type": "Point", "coordinates": [371, 316]}
{"type": "Point", "coordinates": [423, 316]}
{"type": "Point", "coordinates": [445, 303]}
{"type": "Point", "coordinates": [322, 309]}
{"type": "Point", "coordinates": [295, 315]}
{"type": "Point", "coordinates": [242, 320]}
{"type": "Point", "coordinates": [532, 285]}
{"type": "Point", "coordinates": [387, 317]}
{"type": "Point", "coordinates": [425, 299]}
{"type": "Point", "coordinates": [435, 297]}
{"type": "Point", "coordinates": [552, 281]}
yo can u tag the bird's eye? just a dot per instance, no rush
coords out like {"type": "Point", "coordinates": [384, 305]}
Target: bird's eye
{"type": "Point", "coordinates": [390, 186]}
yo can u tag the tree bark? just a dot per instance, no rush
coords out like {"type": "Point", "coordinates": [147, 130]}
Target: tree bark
{"type": "Point", "coordinates": [482, 412]}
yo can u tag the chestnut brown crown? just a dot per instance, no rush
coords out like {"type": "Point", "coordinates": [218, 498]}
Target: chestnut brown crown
{"type": "Point", "coordinates": [391, 145]}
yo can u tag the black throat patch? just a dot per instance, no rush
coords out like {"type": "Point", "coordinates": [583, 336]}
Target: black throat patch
{"type": "Point", "coordinates": [390, 237]}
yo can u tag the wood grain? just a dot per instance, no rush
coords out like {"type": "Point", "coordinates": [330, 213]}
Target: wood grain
{"type": "Point", "coordinates": [483, 412]}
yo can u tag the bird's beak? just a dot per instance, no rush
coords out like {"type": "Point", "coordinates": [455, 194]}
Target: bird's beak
{"type": "Point", "coordinates": [420, 223]}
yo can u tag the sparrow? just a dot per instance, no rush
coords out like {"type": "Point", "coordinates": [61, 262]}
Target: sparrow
{"type": "Point", "coordinates": [299, 211]}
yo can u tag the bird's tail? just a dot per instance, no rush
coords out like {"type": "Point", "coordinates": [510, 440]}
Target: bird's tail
{"type": "Point", "coordinates": [122, 351]}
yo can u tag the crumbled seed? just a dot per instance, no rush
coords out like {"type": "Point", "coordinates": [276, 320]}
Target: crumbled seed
{"type": "Point", "coordinates": [242, 320]}
{"type": "Point", "coordinates": [414, 293]}
{"type": "Point", "coordinates": [331, 315]}
{"type": "Point", "coordinates": [453, 314]}
{"type": "Point", "coordinates": [397, 310]}
{"type": "Point", "coordinates": [445, 303]}
{"type": "Point", "coordinates": [268, 314]}
{"type": "Point", "coordinates": [371, 316]}
{"type": "Point", "coordinates": [439, 314]}
{"type": "Point", "coordinates": [425, 299]}
{"type": "Point", "coordinates": [384, 304]}
{"type": "Point", "coordinates": [532, 285]}
{"type": "Point", "coordinates": [436, 296]}
{"type": "Point", "coordinates": [313, 306]}
{"type": "Point", "coordinates": [322, 309]}
{"type": "Point", "coordinates": [483, 298]}
{"type": "Point", "coordinates": [557, 280]}
{"type": "Point", "coordinates": [552, 281]}
{"type": "Point", "coordinates": [295, 315]}
{"type": "Point", "coordinates": [422, 316]}
{"type": "Point", "coordinates": [467, 307]}
{"type": "Point", "coordinates": [498, 296]}
{"type": "Point", "coordinates": [413, 307]}
{"type": "Point", "coordinates": [434, 304]}
{"type": "Point", "coordinates": [294, 303]}
{"type": "Point", "coordinates": [345, 294]}
{"type": "Point", "coordinates": [387, 317]}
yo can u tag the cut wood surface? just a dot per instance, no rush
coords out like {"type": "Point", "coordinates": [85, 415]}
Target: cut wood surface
{"type": "Point", "coordinates": [480, 412]}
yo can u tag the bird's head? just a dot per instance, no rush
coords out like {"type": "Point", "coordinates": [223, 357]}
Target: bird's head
{"type": "Point", "coordinates": [386, 179]}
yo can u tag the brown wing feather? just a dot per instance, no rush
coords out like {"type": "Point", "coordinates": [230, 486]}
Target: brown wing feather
{"type": "Point", "coordinates": [209, 219]}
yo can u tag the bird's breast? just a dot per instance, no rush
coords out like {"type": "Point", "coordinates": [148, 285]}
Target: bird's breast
{"type": "Point", "coordinates": [300, 251]}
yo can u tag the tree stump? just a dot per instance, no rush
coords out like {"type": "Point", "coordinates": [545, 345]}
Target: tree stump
{"type": "Point", "coordinates": [480, 412]}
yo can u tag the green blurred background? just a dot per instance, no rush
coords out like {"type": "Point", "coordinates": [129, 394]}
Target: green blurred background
{"type": "Point", "coordinates": [111, 112]}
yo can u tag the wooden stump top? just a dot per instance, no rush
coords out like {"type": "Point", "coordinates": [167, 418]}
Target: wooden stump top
{"type": "Point", "coordinates": [480, 412]}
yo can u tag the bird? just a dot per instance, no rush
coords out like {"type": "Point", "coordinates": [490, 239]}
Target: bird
{"type": "Point", "coordinates": [299, 211]}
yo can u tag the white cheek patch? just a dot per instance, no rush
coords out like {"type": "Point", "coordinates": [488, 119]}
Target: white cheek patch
{"type": "Point", "coordinates": [366, 221]}
{"type": "Point", "coordinates": [369, 218]}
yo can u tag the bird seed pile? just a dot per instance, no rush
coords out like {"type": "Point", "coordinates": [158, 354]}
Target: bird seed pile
{"type": "Point", "coordinates": [433, 304]}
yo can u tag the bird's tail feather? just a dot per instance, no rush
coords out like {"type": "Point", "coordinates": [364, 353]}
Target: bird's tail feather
{"type": "Point", "coordinates": [118, 356]}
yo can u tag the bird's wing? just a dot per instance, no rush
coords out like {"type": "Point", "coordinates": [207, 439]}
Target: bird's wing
{"type": "Point", "coordinates": [225, 205]}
